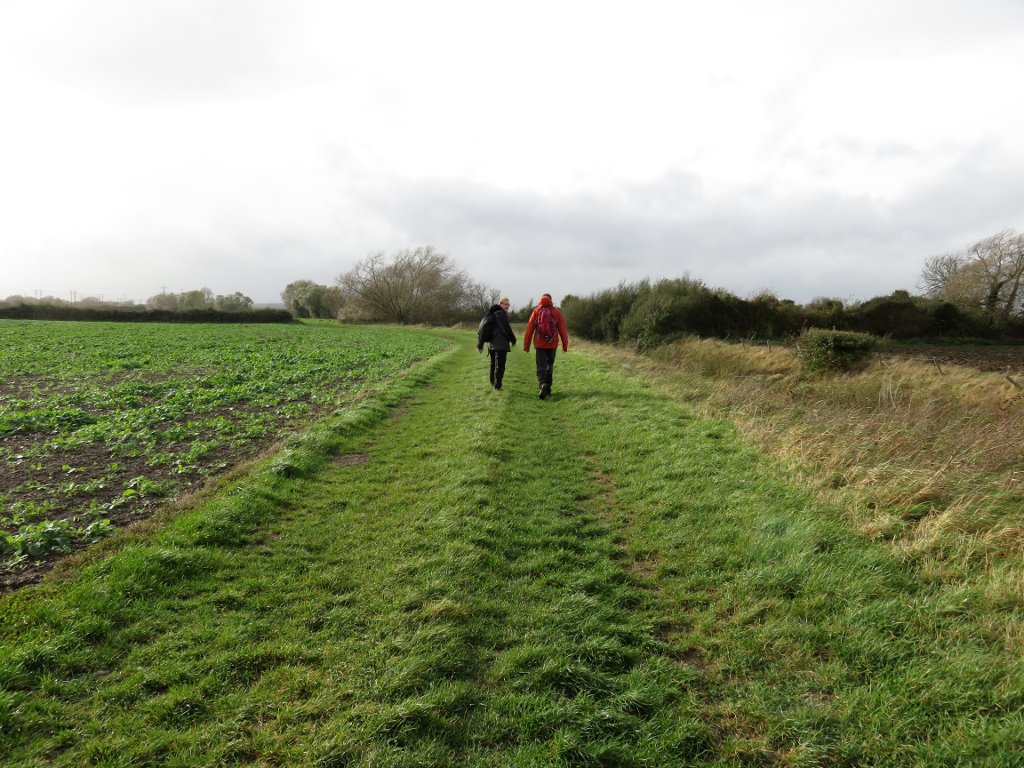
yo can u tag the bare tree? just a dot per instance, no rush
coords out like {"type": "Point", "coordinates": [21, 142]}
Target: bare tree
{"type": "Point", "coordinates": [420, 285]}
{"type": "Point", "coordinates": [480, 298]}
{"type": "Point", "coordinates": [987, 276]}
{"type": "Point", "coordinates": [938, 271]}
{"type": "Point", "coordinates": [1001, 265]}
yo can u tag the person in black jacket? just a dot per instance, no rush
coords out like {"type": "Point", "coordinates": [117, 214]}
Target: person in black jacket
{"type": "Point", "coordinates": [502, 340]}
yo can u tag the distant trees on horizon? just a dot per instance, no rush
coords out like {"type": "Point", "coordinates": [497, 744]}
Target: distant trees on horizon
{"type": "Point", "coordinates": [198, 299]}
{"type": "Point", "coordinates": [411, 286]}
{"type": "Point", "coordinates": [305, 298]}
{"type": "Point", "coordinates": [200, 305]}
{"type": "Point", "coordinates": [977, 292]}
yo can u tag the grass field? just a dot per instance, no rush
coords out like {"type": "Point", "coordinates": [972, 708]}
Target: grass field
{"type": "Point", "coordinates": [441, 574]}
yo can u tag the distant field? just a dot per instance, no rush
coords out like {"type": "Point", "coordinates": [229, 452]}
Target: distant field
{"type": "Point", "coordinates": [100, 421]}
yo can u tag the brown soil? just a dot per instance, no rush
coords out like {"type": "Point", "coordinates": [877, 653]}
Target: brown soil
{"type": "Point", "coordinates": [997, 359]}
{"type": "Point", "coordinates": [38, 479]}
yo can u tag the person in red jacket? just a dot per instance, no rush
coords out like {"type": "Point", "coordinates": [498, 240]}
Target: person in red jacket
{"type": "Point", "coordinates": [545, 328]}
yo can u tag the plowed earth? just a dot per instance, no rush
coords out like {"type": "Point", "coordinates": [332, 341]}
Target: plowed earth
{"type": "Point", "coordinates": [996, 359]}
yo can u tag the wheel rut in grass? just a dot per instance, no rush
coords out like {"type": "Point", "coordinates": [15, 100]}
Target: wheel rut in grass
{"type": "Point", "coordinates": [508, 622]}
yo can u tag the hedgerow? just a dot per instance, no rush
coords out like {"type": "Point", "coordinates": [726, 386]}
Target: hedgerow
{"type": "Point", "coordinates": [141, 314]}
{"type": "Point", "coordinates": [647, 315]}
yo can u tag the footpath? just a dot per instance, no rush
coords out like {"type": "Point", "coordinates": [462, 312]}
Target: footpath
{"type": "Point", "coordinates": [481, 578]}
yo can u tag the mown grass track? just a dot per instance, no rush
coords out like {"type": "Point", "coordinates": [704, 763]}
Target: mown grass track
{"type": "Point", "coordinates": [486, 579]}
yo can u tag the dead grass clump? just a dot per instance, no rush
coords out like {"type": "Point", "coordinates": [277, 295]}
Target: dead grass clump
{"type": "Point", "coordinates": [711, 357]}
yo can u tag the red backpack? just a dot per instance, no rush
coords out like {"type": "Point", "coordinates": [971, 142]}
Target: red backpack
{"type": "Point", "coordinates": [547, 326]}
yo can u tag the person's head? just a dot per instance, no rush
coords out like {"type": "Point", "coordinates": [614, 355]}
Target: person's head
{"type": "Point", "coordinates": [545, 300]}
{"type": "Point", "coordinates": [504, 303]}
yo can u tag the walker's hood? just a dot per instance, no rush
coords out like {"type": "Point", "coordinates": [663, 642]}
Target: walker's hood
{"type": "Point", "coordinates": [545, 301]}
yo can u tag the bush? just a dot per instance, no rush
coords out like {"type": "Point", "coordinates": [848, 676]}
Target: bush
{"type": "Point", "coordinates": [671, 309]}
{"type": "Point", "coordinates": [824, 350]}
{"type": "Point", "coordinates": [600, 316]}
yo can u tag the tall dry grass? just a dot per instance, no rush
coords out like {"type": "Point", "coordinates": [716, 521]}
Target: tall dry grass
{"type": "Point", "coordinates": [928, 458]}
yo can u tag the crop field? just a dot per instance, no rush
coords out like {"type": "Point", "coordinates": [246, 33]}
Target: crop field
{"type": "Point", "coordinates": [100, 422]}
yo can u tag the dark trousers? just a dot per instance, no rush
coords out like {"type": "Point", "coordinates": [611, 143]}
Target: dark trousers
{"type": "Point", "coordinates": [545, 365]}
{"type": "Point", "coordinates": [498, 357]}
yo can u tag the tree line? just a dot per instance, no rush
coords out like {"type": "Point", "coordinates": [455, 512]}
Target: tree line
{"type": "Point", "coordinates": [200, 299]}
{"type": "Point", "coordinates": [975, 293]}
{"type": "Point", "coordinates": [646, 314]}
{"type": "Point", "coordinates": [195, 306]}
{"type": "Point", "coordinates": [186, 301]}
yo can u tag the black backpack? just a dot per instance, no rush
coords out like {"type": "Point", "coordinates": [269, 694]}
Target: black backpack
{"type": "Point", "coordinates": [486, 330]}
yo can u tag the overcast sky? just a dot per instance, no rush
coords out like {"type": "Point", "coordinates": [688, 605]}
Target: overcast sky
{"type": "Point", "coordinates": [807, 147]}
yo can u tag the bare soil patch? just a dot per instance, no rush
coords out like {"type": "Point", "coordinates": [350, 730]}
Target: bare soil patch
{"type": "Point", "coordinates": [996, 359]}
{"type": "Point", "coordinates": [349, 459]}
{"type": "Point", "coordinates": [45, 478]}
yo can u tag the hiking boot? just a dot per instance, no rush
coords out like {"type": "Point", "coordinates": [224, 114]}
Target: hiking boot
{"type": "Point", "coordinates": [545, 390]}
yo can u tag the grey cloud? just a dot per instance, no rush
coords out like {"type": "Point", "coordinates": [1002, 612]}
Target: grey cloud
{"type": "Point", "coordinates": [982, 193]}
{"type": "Point", "coordinates": [852, 247]}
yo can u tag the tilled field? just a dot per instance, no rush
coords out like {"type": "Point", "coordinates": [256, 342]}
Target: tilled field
{"type": "Point", "coordinates": [998, 359]}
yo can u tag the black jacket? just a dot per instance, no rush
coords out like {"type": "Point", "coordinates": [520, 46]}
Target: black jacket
{"type": "Point", "coordinates": [503, 339]}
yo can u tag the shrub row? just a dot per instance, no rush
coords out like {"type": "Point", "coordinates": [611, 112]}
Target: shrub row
{"type": "Point", "coordinates": [648, 314]}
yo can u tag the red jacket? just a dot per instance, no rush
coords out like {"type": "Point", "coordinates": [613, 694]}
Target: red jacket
{"type": "Point", "coordinates": [531, 326]}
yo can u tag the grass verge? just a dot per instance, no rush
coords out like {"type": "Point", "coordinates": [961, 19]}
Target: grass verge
{"type": "Point", "coordinates": [925, 456]}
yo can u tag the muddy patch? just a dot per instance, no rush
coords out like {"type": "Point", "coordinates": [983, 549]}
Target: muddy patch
{"type": "Point", "coordinates": [348, 459]}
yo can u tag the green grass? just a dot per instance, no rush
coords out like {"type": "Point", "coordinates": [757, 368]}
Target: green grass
{"type": "Point", "coordinates": [447, 575]}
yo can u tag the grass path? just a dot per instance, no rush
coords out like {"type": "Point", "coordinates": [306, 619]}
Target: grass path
{"type": "Point", "coordinates": [480, 578]}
